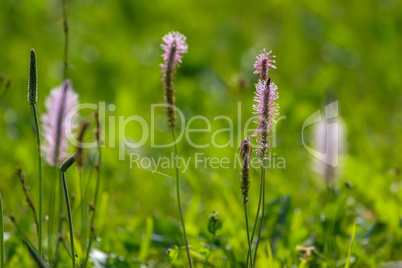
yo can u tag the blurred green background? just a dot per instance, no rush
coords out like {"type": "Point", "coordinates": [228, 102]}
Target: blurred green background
{"type": "Point", "coordinates": [348, 49]}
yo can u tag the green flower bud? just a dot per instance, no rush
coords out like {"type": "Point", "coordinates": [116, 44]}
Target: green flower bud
{"type": "Point", "coordinates": [214, 223]}
{"type": "Point", "coordinates": [33, 79]}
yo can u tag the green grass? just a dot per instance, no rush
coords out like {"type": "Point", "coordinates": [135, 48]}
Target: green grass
{"type": "Point", "coordinates": [351, 246]}
{"type": "Point", "coordinates": [351, 49]}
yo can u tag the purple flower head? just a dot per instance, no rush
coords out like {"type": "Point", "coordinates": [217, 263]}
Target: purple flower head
{"type": "Point", "coordinates": [267, 110]}
{"type": "Point", "coordinates": [60, 101]}
{"type": "Point", "coordinates": [263, 63]}
{"type": "Point", "coordinates": [174, 46]}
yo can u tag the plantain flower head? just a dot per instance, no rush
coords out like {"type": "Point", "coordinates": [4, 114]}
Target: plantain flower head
{"type": "Point", "coordinates": [174, 46]}
{"type": "Point", "coordinates": [245, 154]}
{"type": "Point", "coordinates": [267, 111]}
{"type": "Point", "coordinates": [263, 63]}
{"type": "Point", "coordinates": [60, 101]}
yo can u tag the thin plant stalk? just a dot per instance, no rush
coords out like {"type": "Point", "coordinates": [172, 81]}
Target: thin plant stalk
{"type": "Point", "coordinates": [21, 176]}
{"type": "Point", "coordinates": [60, 224]}
{"type": "Point", "coordinates": [65, 65]}
{"type": "Point", "coordinates": [68, 250]}
{"type": "Point", "coordinates": [210, 250]}
{"type": "Point", "coordinates": [63, 169]}
{"type": "Point", "coordinates": [35, 115]}
{"type": "Point", "coordinates": [70, 219]}
{"type": "Point", "coordinates": [53, 189]}
{"type": "Point", "coordinates": [262, 211]}
{"type": "Point", "coordinates": [21, 233]}
{"type": "Point", "coordinates": [256, 221]}
{"type": "Point", "coordinates": [245, 153]}
{"type": "Point", "coordinates": [65, 28]}
{"type": "Point", "coordinates": [2, 261]}
{"type": "Point", "coordinates": [248, 233]}
{"type": "Point", "coordinates": [178, 199]}
{"type": "Point", "coordinates": [97, 187]}
{"type": "Point", "coordinates": [83, 208]}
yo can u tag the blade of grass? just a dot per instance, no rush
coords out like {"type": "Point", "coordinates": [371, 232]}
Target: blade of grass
{"type": "Point", "coordinates": [147, 240]}
{"type": "Point", "coordinates": [351, 246]}
{"type": "Point", "coordinates": [270, 258]}
{"type": "Point", "coordinates": [303, 264]}
{"type": "Point", "coordinates": [35, 254]}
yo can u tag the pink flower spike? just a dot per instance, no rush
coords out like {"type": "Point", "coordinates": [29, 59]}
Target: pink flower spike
{"type": "Point", "coordinates": [174, 46]}
{"type": "Point", "coordinates": [263, 63]}
{"type": "Point", "coordinates": [60, 101]}
{"type": "Point", "coordinates": [174, 42]}
{"type": "Point", "coordinates": [267, 110]}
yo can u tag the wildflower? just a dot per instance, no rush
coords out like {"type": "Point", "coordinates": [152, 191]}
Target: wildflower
{"type": "Point", "coordinates": [245, 154]}
{"type": "Point", "coordinates": [174, 46]}
{"type": "Point", "coordinates": [33, 79]}
{"type": "Point", "coordinates": [32, 99]}
{"type": "Point", "coordinates": [268, 110]}
{"type": "Point", "coordinates": [60, 101]}
{"type": "Point", "coordinates": [263, 63]}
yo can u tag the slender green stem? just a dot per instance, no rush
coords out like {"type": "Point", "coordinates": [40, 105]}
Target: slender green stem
{"type": "Point", "coordinates": [65, 28]}
{"type": "Point", "coordinates": [178, 198]}
{"type": "Point", "coordinates": [2, 261]}
{"type": "Point", "coordinates": [83, 207]}
{"type": "Point", "coordinates": [28, 199]}
{"type": "Point", "coordinates": [63, 242]}
{"type": "Point", "coordinates": [35, 114]}
{"type": "Point", "coordinates": [60, 224]}
{"type": "Point", "coordinates": [21, 233]}
{"type": "Point", "coordinates": [70, 219]}
{"type": "Point", "coordinates": [262, 211]}
{"type": "Point", "coordinates": [63, 168]}
{"type": "Point", "coordinates": [256, 219]}
{"type": "Point", "coordinates": [53, 190]}
{"type": "Point", "coordinates": [210, 250]}
{"type": "Point", "coordinates": [248, 233]}
{"type": "Point", "coordinates": [92, 225]}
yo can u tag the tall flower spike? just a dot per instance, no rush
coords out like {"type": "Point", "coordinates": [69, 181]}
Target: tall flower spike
{"type": "Point", "coordinates": [245, 154]}
{"type": "Point", "coordinates": [174, 46]}
{"type": "Point", "coordinates": [60, 101]}
{"type": "Point", "coordinates": [263, 63]}
{"type": "Point", "coordinates": [268, 110]}
{"type": "Point", "coordinates": [33, 79]}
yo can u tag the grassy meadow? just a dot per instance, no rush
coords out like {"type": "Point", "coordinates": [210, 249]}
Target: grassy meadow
{"type": "Point", "coordinates": [326, 51]}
